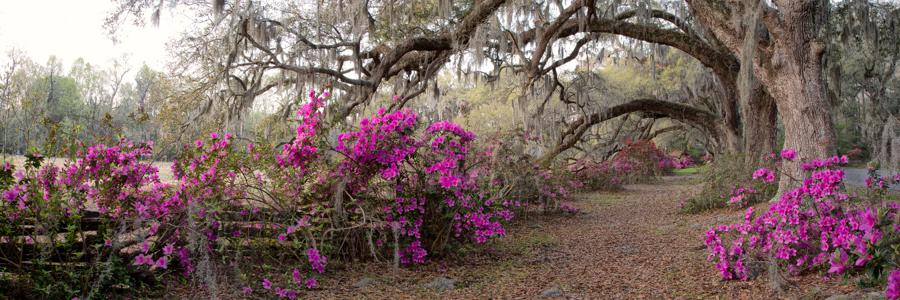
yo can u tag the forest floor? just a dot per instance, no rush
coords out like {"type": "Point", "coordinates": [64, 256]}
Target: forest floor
{"type": "Point", "coordinates": [622, 245]}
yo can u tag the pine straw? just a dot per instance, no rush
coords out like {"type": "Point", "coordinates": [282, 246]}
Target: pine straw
{"type": "Point", "coordinates": [626, 245]}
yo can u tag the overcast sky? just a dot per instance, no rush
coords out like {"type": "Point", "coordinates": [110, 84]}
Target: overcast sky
{"type": "Point", "coordinates": [71, 29]}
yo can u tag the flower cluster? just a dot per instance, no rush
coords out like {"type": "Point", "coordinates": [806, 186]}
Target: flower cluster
{"type": "Point", "coordinates": [893, 285]}
{"type": "Point", "coordinates": [406, 215]}
{"type": "Point", "coordinates": [302, 150]}
{"type": "Point", "coordinates": [682, 162]}
{"type": "Point", "coordinates": [146, 258]}
{"type": "Point", "coordinates": [788, 154]}
{"type": "Point", "coordinates": [738, 196]}
{"type": "Point", "coordinates": [813, 226]}
{"type": "Point", "coordinates": [764, 174]}
{"type": "Point", "coordinates": [594, 176]}
{"type": "Point", "coordinates": [115, 179]}
{"type": "Point", "coordinates": [453, 146]}
{"type": "Point", "coordinates": [316, 260]}
{"type": "Point", "coordinates": [379, 146]}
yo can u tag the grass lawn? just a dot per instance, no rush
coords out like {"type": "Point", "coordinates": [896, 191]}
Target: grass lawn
{"type": "Point", "coordinates": [687, 171]}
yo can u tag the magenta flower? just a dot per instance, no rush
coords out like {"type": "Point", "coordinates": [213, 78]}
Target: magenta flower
{"type": "Point", "coordinates": [838, 262]}
{"type": "Point", "coordinates": [449, 181]}
{"type": "Point", "coordinates": [390, 172]}
{"type": "Point", "coordinates": [316, 260]}
{"type": "Point", "coordinates": [767, 176]}
{"type": "Point", "coordinates": [893, 285]}
{"type": "Point", "coordinates": [311, 283]}
{"type": "Point", "coordinates": [266, 284]}
{"type": "Point", "coordinates": [140, 259]}
{"type": "Point", "coordinates": [161, 263]}
{"type": "Point", "coordinates": [297, 277]}
{"type": "Point", "coordinates": [788, 154]}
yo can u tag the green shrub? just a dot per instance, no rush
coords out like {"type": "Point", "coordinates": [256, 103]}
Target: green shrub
{"type": "Point", "coordinates": [722, 178]}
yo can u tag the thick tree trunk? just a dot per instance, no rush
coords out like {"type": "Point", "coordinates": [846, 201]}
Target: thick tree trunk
{"type": "Point", "coordinates": [731, 134]}
{"type": "Point", "coordinates": [788, 64]}
{"type": "Point", "coordinates": [794, 79]}
{"type": "Point", "coordinates": [760, 131]}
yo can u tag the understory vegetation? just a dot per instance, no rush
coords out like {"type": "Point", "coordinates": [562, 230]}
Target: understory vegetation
{"type": "Point", "coordinates": [726, 183]}
{"type": "Point", "coordinates": [814, 227]}
{"type": "Point", "coordinates": [391, 190]}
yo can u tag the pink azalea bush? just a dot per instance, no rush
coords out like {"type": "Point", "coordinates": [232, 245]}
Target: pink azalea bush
{"type": "Point", "coordinates": [877, 186]}
{"type": "Point", "coordinates": [435, 177]}
{"type": "Point", "coordinates": [415, 190]}
{"type": "Point", "coordinates": [87, 204]}
{"type": "Point", "coordinates": [814, 226]}
{"type": "Point", "coordinates": [683, 162]}
{"type": "Point", "coordinates": [390, 181]}
{"type": "Point", "coordinates": [641, 160]}
{"type": "Point", "coordinates": [602, 176]}
{"type": "Point", "coordinates": [676, 162]}
{"type": "Point", "coordinates": [730, 181]}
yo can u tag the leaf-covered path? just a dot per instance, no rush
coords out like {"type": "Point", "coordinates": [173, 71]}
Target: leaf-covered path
{"type": "Point", "coordinates": [623, 245]}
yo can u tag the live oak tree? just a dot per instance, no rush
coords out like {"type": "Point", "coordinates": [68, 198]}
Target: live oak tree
{"type": "Point", "coordinates": [765, 56]}
{"type": "Point", "coordinates": [266, 50]}
{"type": "Point", "coordinates": [787, 47]}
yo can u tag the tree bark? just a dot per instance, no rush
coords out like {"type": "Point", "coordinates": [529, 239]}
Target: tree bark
{"type": "Point", "coordinates": [794, 78]}
{"type": "Point", "coordinates": [805, 112]}
{"type": "Point", "coordinates": [759, 127]}
{"type": "Point", "coordinates": [788, 64]}
{"type": "Point", "coordinates": [733, 135]}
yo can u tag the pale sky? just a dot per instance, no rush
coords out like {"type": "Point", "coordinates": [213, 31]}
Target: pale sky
{"type": "Point", "coordinates": [71, 29]}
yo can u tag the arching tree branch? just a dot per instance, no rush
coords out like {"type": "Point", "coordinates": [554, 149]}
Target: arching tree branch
{"type": "Point", "coordinates": [685, 113]}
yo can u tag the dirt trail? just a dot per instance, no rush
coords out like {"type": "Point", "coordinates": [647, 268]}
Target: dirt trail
{"type": "Point", "coordinates": [630, 244]}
